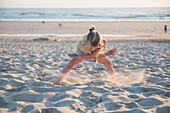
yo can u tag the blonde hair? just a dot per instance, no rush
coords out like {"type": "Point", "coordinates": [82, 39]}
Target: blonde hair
{"type": "Point", "coordinates": [93, 38]}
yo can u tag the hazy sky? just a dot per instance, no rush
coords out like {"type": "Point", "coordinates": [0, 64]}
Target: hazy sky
{"type": "Point", "coordinates": [82, 3]}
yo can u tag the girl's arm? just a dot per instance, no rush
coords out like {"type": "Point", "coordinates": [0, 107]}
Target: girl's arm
{"type": "Point", "coordinates": [93, 55]}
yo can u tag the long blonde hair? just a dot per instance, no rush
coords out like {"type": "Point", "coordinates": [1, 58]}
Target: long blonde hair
{"type": "Point", "coordinates": [95, 39]}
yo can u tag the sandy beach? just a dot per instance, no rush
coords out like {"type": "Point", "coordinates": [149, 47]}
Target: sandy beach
{"type": "Point", "coordinates": [28, 66]}
{"type": "Point", "coordinates": [148, 30]}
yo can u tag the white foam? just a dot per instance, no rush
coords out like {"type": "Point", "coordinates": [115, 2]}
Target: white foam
{"type": "Point", "coordinates": [83, 20]}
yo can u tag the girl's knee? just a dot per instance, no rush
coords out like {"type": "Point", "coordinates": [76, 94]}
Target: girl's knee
{"type": "Point", "coordinates": [105, 62]}
{"type": "Point", "coordinates": [108, 63]}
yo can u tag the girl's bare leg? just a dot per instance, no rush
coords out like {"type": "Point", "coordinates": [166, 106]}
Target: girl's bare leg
{"type": "Point", "coordinates": [66, 69]}
{"type": "Point", "coordinates": [108, 65]}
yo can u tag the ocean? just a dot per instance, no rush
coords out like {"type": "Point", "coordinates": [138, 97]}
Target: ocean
{"type": "Point", "coordinates": [85, 14]}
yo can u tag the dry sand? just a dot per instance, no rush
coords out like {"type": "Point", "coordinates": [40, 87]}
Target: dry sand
{"type": "Point", "coordinates": [140, 84]}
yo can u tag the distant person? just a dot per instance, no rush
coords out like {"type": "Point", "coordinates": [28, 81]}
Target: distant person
{"type": "Point", "coordinates": [59, 24]}
{"type": "Point", "coordinates": [43, 22]}
{"type": "Point", "coordinates": [92, 46]}
{"type": "Point", "coordinates": [165, 28]}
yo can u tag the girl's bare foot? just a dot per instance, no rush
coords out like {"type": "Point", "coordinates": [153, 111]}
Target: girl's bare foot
{"type": "Point", "coordinates": [56, 81]}
{"type": "Point", "coordinates": [59, 82]}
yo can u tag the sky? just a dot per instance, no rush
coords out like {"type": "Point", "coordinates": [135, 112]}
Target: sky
{"type": "Point", "coordinates": [82, 3]}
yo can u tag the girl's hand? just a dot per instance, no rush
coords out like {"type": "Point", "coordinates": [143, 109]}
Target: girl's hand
{"type": "Point", "coordinates": [111, 52]}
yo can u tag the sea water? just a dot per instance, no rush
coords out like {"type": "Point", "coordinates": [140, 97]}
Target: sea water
{"type": "Point", "coordinates": [85, 14]}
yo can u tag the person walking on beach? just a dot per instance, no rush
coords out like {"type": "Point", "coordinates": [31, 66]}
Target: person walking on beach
{"type": "Point", "coordinates": [165, 28]}
{"type": "Point", "coordinates": [60, 25]}
{"type": "Point", "coordinates": [91, 46]}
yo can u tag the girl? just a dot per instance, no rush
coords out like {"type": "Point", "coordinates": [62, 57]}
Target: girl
{"type": "Point", "coordinates": [89, 47]}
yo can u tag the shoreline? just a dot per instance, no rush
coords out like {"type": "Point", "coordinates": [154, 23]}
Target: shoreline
{"type": "Point", "coordinates": [73, 39]}
{"type": "Point", "coordinates": [79, 20]}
